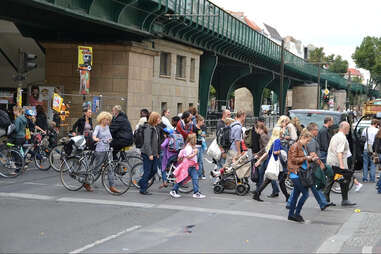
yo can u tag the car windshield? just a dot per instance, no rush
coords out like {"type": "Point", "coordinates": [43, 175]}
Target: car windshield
{"type": "Point", "coordinates": [305, 118]}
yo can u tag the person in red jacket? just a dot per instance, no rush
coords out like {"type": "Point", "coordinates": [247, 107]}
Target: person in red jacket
{"type": "Point", "coordinates": [185, 125]}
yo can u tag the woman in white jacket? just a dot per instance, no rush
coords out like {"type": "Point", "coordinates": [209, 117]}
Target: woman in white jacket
{"type": "Point", "coordinates": [165, 119]}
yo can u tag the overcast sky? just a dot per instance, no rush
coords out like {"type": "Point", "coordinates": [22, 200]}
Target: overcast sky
{"type": "Point", "coordinates": [337, 25]}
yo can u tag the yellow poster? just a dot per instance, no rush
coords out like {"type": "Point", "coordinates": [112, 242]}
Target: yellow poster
{"type": "Point", "coordinates": [85, 57]}
{"type": "Point", "coordinates": [19, 97]}
{"type": "Point", "coordinates": [57, 102]}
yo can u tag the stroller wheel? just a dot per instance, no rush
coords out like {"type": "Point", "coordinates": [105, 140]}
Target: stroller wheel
{"type": "Point", "coordinates": [218, 188]}
{"type": "Point", "coordinates": [247, 188]}
{"type": "Point", "coordinates": [241, 190]}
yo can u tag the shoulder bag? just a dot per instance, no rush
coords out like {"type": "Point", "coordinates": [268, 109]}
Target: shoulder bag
{"type": "Point", "coordinates": [273, 168]}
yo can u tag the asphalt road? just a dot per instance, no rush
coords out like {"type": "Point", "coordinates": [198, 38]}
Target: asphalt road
{"type": "Point", "coordinates": [38, 215]}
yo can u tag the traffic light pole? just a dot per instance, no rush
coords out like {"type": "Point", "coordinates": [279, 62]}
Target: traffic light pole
{"type": "Point", "coordinates": [281, 107]}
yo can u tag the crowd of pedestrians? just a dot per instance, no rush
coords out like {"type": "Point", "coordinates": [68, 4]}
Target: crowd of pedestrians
{"type": "Point", "coordinates": [309, 158]}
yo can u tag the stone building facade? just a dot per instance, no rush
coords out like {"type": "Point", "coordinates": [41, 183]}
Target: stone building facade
{"type": "Point", "coordinates": [175, 80]}
{"type": "Point", "coordinates": [128, 75]}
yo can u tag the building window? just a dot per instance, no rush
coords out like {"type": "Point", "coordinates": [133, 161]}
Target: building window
{"type": "Point", "coordinates": [180, 67]}
{"type": "Point", "coordinates": [163, 106]}
{"type": "Point", "coordinates": [165, 64]}
{"type": "Point", "coordinates": [179, 108]}
{"type": "Point", "coordinates": [192, 69]}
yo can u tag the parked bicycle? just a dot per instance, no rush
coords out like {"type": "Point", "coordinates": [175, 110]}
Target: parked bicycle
{"type": "Point", "coordinates": [77, 169]}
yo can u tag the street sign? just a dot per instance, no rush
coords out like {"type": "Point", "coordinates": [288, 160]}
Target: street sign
{"type": "Point", "coordinates": [326, 91]}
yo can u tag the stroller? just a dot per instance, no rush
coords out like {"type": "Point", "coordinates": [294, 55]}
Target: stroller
{"type": "Point", "coordinates": [236, 177]}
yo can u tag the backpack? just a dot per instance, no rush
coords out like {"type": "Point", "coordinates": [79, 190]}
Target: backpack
{"type": "Point", "coordinates": [5, 121]}
{"type": "Point", "coordinates": [139, 136]}
{"type": "Point", "coordinates": [223, 137]}
{"type": "Point", "coordinates": [176, 142]}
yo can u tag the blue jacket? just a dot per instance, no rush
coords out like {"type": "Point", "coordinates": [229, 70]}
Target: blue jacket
{"type": "Point", "coordinates": [20, 124]}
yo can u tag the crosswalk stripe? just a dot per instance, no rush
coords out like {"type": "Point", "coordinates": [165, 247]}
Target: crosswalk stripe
{"type": "Point", "coordinates": [143, 205]}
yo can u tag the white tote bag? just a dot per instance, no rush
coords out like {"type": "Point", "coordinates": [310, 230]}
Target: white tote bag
{"type": "Point", "coordinates": [214, 150]}
{"type": "Point", "coordinates": [273, 167]}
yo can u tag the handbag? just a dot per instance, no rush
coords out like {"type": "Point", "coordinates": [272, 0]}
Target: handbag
{"type": "Point", "coordinates": [214, 150]}
{"type": "Point", "coordinates": [254, 174]}
{"type": "Point", "coordinates": [273, 168]}
{"type": "Point", "coordinates": [306, 177]}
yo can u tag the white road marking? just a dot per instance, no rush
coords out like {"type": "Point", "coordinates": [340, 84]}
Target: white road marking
{"type": "Point", "coordinates": [7, 182]}
{"type": "Point", "coordinates": [143, 205]}
{"type": "Point", "coordinates": [32, 183]}
{"type": "Point", "coordinates": [106, 239]}
{"type": "Point", "coordinates": [25, 195]}
{"type": "Point", "coordinates": [105, 202]}
{"type": "Point", "coordinates": [367, 249]}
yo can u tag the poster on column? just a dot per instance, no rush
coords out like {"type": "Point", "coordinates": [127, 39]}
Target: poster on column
{"type": "Point", "coordinates": [84, 82]}
{"type": "Point", "coordinates": [85, 57]}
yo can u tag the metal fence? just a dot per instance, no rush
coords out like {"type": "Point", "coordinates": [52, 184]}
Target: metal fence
{"type": "Point", "coordinates": [270, 122]}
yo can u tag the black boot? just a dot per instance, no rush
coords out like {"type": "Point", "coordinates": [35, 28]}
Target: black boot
{"type": "Point", "coordinates": [256, 196]}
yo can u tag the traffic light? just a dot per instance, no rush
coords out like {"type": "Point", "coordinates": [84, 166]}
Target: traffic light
{"type": "Point", "coordinates": [28, 62]}
{"type": "Point", "coordinates": [326, 98]}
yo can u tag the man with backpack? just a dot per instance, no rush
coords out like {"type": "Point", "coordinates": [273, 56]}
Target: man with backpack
{"type": "Point", "coordinates": [235, 150]}
{"type": "Point", "coordinates": [120, 129]}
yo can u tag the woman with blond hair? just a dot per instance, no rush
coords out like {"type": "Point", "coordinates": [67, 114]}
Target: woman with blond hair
{"type": "Point", "coordinates": [273, 148]}
{"type": "Point", "coordinates": [150, 151]}
{"type": "Point", "coordinates": [102, 136]}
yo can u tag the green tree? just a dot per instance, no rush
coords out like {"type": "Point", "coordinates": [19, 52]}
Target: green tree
{"type": "Point", "coordinates": [334, 63]}
{"type": "Point", "coordinates": [212, 92]}
{"type": "Point", "coordinates": [368, 56]}
{"type": "Point", "coordinates": [317, 55]}
{"type": "Point", "coordinates": [337, 64]}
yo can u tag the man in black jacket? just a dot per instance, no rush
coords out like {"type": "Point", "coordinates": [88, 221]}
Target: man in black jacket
{"type": "Point", "coordinates": [120, 129]}
{"type": "Point", "coordinates": [323, 138]}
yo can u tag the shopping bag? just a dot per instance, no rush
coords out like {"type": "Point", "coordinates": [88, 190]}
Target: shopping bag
{"type": "Point", "coordinates": [273, 168]}
{"type": "Point", "coordinates": [214, 150]}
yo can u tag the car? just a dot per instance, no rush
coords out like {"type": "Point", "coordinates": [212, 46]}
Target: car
{"type": "Point", "coordinates": [307, 116]}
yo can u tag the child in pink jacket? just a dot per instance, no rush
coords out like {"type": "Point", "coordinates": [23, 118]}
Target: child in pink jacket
{"type": "Point", "coordinates": [187, 168]}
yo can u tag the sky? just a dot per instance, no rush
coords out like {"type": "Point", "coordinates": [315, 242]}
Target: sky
{"type": "Point", "coordinates": [337, 25]}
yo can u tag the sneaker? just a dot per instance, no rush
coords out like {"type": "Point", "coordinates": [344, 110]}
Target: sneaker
{"type": "Point", "coordinates": [358, 187]}
{"type": "Point", "coordinates": [199, 195]}
{"type": "Point", "coordinates": [215, 173]}
{"type": "Point", "coordinates": [174, 194]}
{"type": "Point", "coordinates": [203, 178]}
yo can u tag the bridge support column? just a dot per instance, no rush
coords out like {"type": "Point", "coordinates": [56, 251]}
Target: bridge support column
{"type": "Point", "coordinates": [259, 84]}
{"type": "Point", "coordinates": [208, 64]}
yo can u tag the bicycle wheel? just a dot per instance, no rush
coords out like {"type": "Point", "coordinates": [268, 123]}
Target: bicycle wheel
{"type": "Point", "coordinates": [41, 159]}
{"type": "Point", "coordinates": [55, 158]}
{"type": "Point", "coordinates": [72, 173]}
{"type": "Point", "coordinates": [137, 173]}
{"type": "Point", "coordinates": [120, 177]}
{"type": "Point", "coordinates": [186, 188]}
{"type": "Point", "coordinates": [11, 163]}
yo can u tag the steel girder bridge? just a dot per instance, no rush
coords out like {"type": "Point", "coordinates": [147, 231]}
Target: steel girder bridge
{"type": "Point", "coordinates": [234, 54]}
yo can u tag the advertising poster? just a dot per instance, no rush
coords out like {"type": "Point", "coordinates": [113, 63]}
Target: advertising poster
{"type": "Point", "coordinates": [85, 57]}
{"type": "Point", "coordinates": [84, 82]}
{"type": "Point", "coordinates": [96, 104]}
{"type": "Point", "coordinates": [57, 102]}
{"type": "Point", "coordinates": [19, 97]}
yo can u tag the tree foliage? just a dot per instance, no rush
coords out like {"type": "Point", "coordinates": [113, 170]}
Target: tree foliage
{"type": "Point", "coordinates": [334, 63]}
{"type": "Point", "coordinates": [368, 56]}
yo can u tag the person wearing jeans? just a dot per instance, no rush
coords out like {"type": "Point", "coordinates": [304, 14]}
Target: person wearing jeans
{"type": "Point", "coordinates": [150, 151]}
{"type": "Point", "coordinates": [192, 172]}
{"type": "Point", "coordinates": [298, 159]}
{"type": "Point", "coordinates": [368, 165]}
